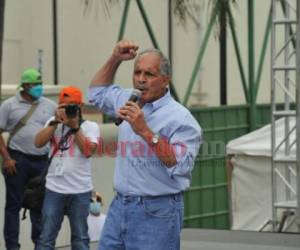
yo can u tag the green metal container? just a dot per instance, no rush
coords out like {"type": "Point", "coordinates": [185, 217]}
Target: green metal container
{"type": "Point", "coordinates": [207, 201]}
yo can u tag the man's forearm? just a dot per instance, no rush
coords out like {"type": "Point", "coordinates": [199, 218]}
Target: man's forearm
{"type": "Point", "coordinates": [86, 147]}
{"type": "Point", "coordinates": [3, 150]}
{"type": "Point", "coordinates": [163, 150]}
{"type": "Point", "coordinates": [44, 136]}
{"type": "Point", "coordinates": [106, 73]}
{"type": "Point", "coordinates": [165, 153]}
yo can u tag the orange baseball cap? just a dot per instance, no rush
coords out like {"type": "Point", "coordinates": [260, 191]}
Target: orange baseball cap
{"type": "Point", "coordinates": [70, 94]}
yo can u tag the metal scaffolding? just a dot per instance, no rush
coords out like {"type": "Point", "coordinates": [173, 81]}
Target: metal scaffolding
{"type": "Point", "coordinates": [285, 85]}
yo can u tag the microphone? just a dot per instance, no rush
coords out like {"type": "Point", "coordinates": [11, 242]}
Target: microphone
{"type": "Point", "coordinates": [135, 96]}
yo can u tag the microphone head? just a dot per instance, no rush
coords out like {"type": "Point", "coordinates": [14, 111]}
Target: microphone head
{"type": "Point", "coordinates": [137, 92]}
{"type": "Point", "coordinates": [135, 95]}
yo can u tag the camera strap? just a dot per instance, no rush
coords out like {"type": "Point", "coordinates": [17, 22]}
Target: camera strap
{"type": "Point", "coordinates": [56, 148]}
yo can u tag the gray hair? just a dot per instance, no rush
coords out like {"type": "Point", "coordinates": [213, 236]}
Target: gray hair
{"type": "Point", "coordinates": [165, 67]}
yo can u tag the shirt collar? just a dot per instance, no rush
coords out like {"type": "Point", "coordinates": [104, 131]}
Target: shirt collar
{"type": "Point", "coordinates": [161, 101]}
{"type": "Point", "coordinates": [21, 99]}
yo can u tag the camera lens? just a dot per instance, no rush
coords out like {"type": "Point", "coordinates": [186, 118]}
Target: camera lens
{"type": "Point", "coordinates": [71, 110]}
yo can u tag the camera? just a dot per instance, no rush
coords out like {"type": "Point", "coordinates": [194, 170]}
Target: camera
{"type": "Point", "coordinates": [72, 110]}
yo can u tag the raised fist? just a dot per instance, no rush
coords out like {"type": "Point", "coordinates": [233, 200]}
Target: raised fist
{"type": "Point", "coordinates": [125, 50]}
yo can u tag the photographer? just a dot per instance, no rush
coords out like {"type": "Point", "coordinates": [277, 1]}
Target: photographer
{"type": "Point", "coordinates": [68, 182]}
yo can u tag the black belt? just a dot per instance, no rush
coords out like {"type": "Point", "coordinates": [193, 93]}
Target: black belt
{"type": "Point", "coordinates": [29, 156]}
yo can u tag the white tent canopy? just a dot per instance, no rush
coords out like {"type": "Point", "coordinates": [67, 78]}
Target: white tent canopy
{"type": "Point", "coordinates": [258, 142]}
{"type": "Point", "coordinates": [251, 189]}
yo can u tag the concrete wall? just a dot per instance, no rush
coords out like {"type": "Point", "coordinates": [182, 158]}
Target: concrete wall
{"type": "Point", "coordinates": [86, 39]}
{"type": "Point", "coordinates": [27, 28]}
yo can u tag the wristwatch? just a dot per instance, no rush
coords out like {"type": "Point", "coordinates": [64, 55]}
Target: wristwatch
{"type": "Point", "coordinates": [154, 139]}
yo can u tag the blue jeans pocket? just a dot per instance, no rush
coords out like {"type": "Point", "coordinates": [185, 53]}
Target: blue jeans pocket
{"type": "Point", "coordinates": [177, 201]}
{"type": "Point", "coordinates": [160, 207]}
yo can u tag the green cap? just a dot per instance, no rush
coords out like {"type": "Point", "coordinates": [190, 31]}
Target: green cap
{"type": "Point", "coordinates": [31, 76]}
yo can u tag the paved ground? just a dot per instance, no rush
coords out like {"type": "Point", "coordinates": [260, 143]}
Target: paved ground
{"type": "Point", "coordinates": [202, 239]}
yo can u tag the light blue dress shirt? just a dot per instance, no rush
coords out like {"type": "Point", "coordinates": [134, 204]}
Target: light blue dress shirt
{"type": "Point", "coordinates": [138, 170]}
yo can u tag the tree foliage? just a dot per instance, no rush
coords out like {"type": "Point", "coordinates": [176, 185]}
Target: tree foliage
{"type": "Point", "coordinates": [183, 9]}
{"type": "Point", "coordinates": [221, 9]}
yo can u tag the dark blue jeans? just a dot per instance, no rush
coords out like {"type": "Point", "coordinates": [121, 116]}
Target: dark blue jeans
{"type": "Point", "coordinates": [148, 223]}
{"type": "Point", "coordinates": [27, 167]}
{"type": "Point", "coordinates": [56, 205]}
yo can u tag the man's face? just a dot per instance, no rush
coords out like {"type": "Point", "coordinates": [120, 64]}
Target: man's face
{"type": "Point", "coordinates": [148, 79]}
{"type": "Point", "coordinates": [28, 86]}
